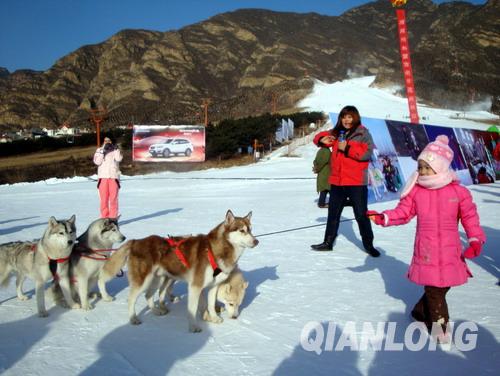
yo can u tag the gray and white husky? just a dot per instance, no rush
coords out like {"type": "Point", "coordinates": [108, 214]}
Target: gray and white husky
{"type": "Point", "coordinates": [41, 260]}
{"type": "Point", "coordinates": [88, 258]}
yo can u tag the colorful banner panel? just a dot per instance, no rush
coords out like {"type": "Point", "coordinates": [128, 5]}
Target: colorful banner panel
{"type": "Point", "coordinates": [168, 143]}
{"type": "Point", "coordinates": [397, 146]}
{"type": "Point", "coordinates": [385, 172]}
{"type": "Point", "coordinates": [477, 148]}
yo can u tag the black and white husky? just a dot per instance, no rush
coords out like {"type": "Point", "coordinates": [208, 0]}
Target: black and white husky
{"type": "Point", "coordinates": [88, 258]}
{"type": "Point", "coordinates": [41, 260]}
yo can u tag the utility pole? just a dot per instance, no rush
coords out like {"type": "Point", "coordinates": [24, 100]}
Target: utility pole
{"type": "Point", "coordinates": [97, 116]}
{"type": "Point", "coordinates": [204, 105]}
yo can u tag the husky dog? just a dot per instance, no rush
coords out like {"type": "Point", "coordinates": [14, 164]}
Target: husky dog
{"type": "Point", "coordinates": [201, 260]}
{"type": "Point", "coordinates": [41, 261]}
{"type": "Point", "coordinates": [88, 258]}
{"type": "Point", "coordinates": [231, 293]}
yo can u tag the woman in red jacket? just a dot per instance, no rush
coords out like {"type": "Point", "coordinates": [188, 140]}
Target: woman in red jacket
{"type": "Point", "coordinates": [352, 147]}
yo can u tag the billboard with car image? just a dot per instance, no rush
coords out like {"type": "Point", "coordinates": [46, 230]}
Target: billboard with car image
{"type": "Point", "coordinates": [168, 143]}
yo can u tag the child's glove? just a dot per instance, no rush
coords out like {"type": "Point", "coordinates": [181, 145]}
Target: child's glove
{"type": "Point", "coordinates": [474, 249]}
{"type": "Point", "coordinates": [376, 217]}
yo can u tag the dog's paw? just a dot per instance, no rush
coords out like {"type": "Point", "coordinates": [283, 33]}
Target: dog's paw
{"type": "Point", "coordinates": [135, 321]}
{"type": "Point", "coordinates": [163, 306]}
{"type": "Point", "coordinates": [43, 314]}
{"type": "Point", "coordinates": [76, 305]}
{"type": "Point", "coordinates": [87, 307]}
{"type": "Point", "coordinates": [214, 319]}
{"type": "Point", "coordinates": [108, 298]}
{"type": "Point", "coordinates": [23, 297]}
{"type": "Point", "coordinates": [160, 311]}
{"type": "Point", "coordinates": [194, 328]}
{"type": "Point", "coordinates": [217, 320]}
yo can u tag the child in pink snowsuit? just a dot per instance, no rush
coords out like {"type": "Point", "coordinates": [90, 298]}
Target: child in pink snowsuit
{"type": "Point", "coordinates": [434, 195]}
{"type": "Point", "coordinates": [108, 158]}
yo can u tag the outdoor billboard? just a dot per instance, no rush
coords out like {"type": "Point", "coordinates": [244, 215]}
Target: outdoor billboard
{"type": "Point", "coordinates": [168, 143]}
{"type": "Point", "coordinates": [397, 144]}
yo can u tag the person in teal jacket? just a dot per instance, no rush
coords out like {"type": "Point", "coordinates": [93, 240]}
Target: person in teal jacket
{"type": "Point", "coordinates": [321, 167]}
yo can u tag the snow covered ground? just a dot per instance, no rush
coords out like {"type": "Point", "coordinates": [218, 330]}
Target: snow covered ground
{"type": "Point", "coordinates": [382, 104]}
{"type": "Point", "coordinates": [289, 285]}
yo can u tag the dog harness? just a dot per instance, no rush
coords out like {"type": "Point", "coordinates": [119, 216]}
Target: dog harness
{"type": "Point", "coordinates": [52, 262]}
{"type": "Point", "coordinates": [94, 254]}
{"type": "Point", "coordinates": [171, 242]}
{"type": "Point", "coordinates": [211, 258]}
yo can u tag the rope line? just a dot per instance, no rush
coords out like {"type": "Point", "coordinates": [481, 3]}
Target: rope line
{"type": "Point", "coordinates": [172, 178]}
{"type": "Point", "coordinates": [300, 228]}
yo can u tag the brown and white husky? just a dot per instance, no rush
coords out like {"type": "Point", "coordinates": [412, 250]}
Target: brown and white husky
{"type": "Point", "coordinates": [203, 261]}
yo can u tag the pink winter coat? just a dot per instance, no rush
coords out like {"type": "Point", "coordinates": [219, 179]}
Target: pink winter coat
{"type": "Point", "coordinates": [109, 164]}
{"type": "Point", "coordinates": [437, 256]}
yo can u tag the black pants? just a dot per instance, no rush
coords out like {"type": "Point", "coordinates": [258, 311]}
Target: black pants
{"type": "Point", "coordinates": [358, 197]}
{"type": "Point", "coordinates": [432, 307]}
{"type": "Point", "coordinates": [322, 197]}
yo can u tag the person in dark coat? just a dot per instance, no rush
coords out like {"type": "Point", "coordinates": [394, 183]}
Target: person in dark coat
{"type": "Point", "coordinates": [321, 167]}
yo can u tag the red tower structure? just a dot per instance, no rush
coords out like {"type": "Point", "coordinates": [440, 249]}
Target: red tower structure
{"type": "Point", "coordinates": [404, 49]}
{"type": "Point", "coordinates": [97, 116]}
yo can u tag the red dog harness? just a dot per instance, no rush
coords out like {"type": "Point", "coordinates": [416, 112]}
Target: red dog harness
{"type": "Point", "coordinates": [52, 263]}
{"type": "Point", "coordinates": [171, 242]}
{"type": "Point", "coordinates": [211, 258]}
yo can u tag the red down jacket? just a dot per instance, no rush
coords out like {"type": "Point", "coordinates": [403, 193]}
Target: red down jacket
{"type": "Point", "coordinates": [351, 166]}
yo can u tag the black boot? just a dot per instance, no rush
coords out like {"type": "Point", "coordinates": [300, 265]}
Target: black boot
{"type": "Point", "coordinates": [327, 244]}
{"type": "Point", "coordinates": [372, 251]}
{"type": "Point", "coordinates": [369, 248]}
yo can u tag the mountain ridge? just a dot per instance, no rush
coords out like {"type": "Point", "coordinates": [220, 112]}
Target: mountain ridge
{"type": "Point", "coordinates": [251, 60]}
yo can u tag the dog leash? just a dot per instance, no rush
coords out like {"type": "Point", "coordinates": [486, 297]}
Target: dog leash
{"type": "Point", "coordinates": [300, 228]}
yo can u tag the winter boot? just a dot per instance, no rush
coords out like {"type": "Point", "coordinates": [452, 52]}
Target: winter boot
{"type": "Point", "coordinates": [327, 244]}
{"type": "Point", "coordinates": [372, 251]}
{"type": "Point", "coordinates": [369, 248]}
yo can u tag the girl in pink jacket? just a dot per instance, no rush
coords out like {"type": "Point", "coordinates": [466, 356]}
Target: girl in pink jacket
{"type": "Point", "coordinates": [433, 195]}
{"type": "Point", "coordinates": [108, 158]}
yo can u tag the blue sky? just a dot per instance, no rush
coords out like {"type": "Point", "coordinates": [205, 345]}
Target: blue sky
{"type": "Point", "coordinates": [35, 33]}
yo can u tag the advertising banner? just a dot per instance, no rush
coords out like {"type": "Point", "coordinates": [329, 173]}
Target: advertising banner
{"type": "Point", "coordinates": [397, 145]}
{"type": "Point", "coordinates": [168, 143]}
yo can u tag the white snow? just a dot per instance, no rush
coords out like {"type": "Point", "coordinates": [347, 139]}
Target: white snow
{"type": "Point", "coordinates": [382, 104]}
{"type": "Point", "coordinates": [290, 285]}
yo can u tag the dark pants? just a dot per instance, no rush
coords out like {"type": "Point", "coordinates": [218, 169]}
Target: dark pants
{"type": "Point", "coordinates": [432, 307]}
{"type": "Point", "coordinates": [322, 198]}
{"type": "Point", "coordinates": [358, 197]}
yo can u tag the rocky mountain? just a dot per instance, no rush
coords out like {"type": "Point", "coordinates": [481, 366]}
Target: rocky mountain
{"type": "Point", "coordinates": [252, 61]}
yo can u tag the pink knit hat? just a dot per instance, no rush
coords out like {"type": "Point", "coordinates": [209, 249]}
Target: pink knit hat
{"type": "Point", "coordinates": [438, 154]}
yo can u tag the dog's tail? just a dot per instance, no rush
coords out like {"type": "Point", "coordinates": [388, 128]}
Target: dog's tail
{"type": "Point", "coordinates": [116, 262]}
